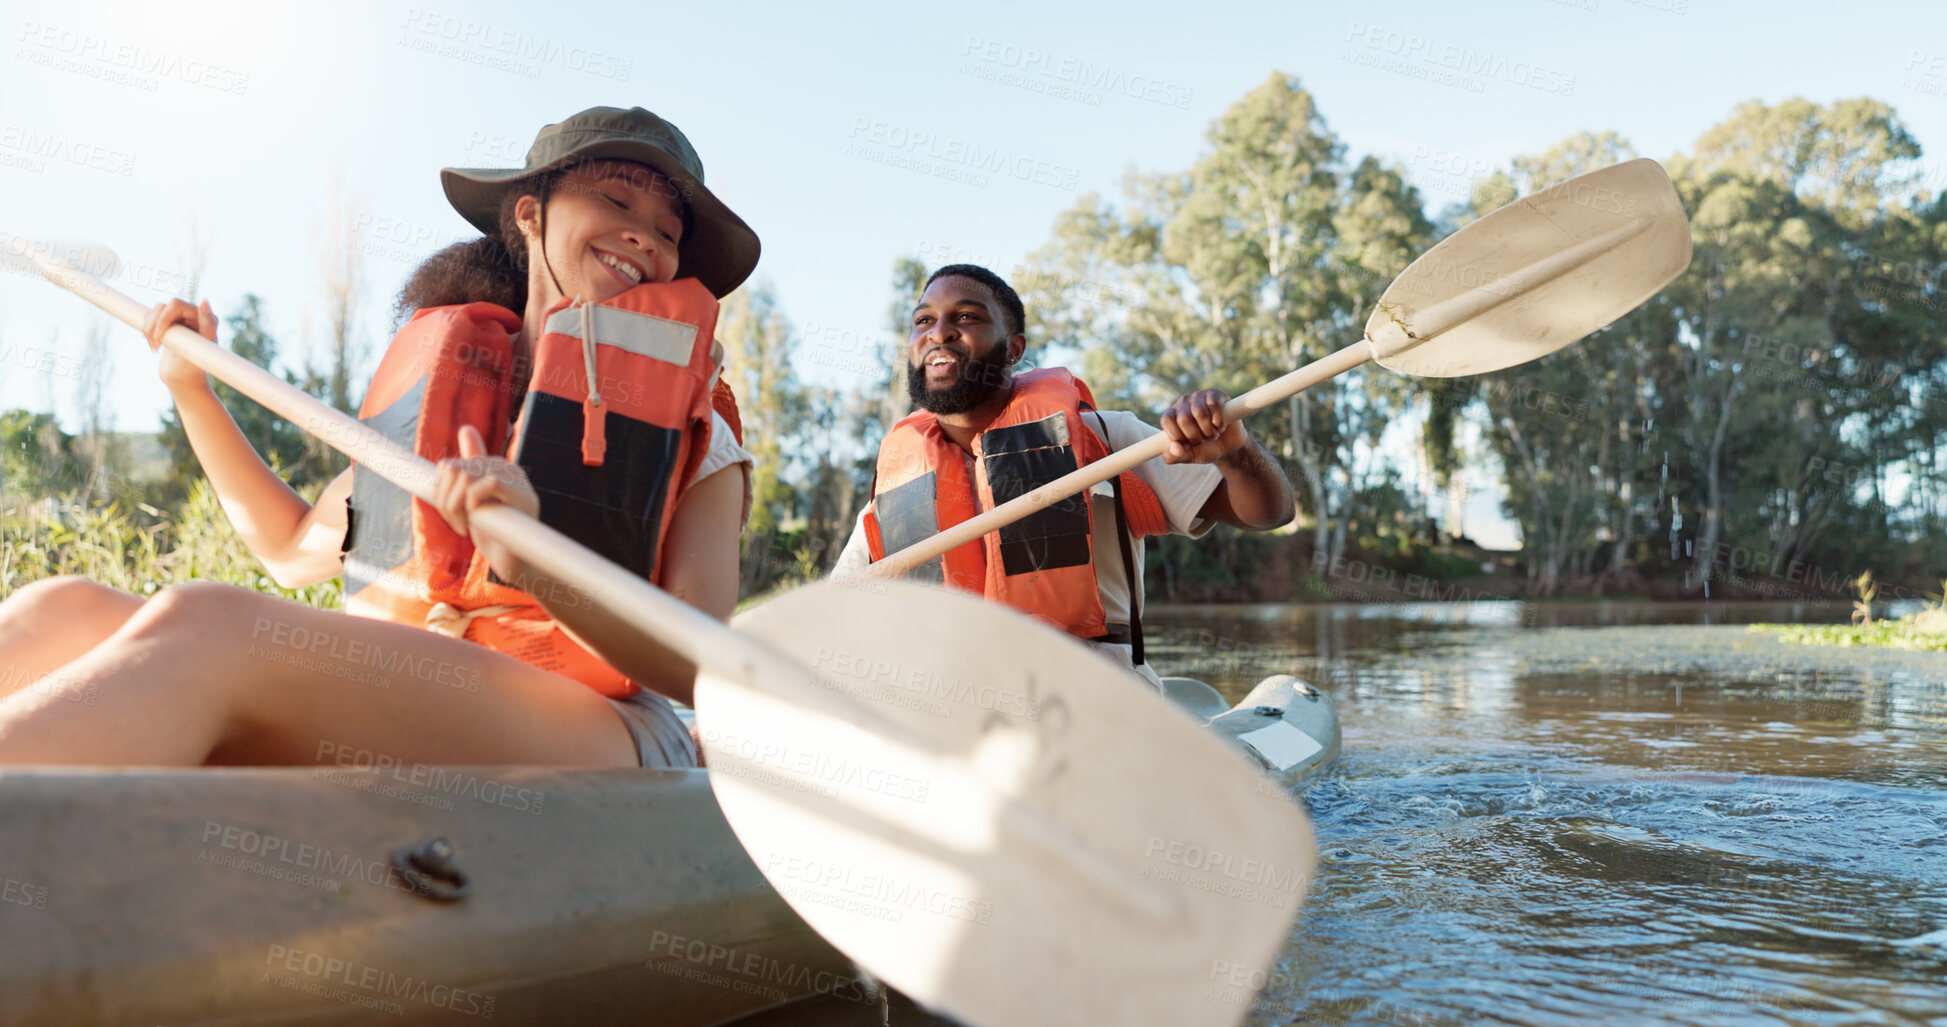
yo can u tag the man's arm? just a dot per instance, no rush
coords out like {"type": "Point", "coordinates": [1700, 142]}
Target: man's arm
{"type": "Point", "coordinates": [1255, 493]}
{"type": "Point", "coordinates": [856, 556]}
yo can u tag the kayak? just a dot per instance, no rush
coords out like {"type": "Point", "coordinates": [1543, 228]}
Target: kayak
{"type": "Point", "coordinates": [1289, 728]}
{"type": "Point", "coordinates": [372, 891]}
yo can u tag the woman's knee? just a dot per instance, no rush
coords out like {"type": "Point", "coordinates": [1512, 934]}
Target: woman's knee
{"type": "Point", "coordinates": [200, 612]}
{"type": "Point", "coordinates": [64, 599]}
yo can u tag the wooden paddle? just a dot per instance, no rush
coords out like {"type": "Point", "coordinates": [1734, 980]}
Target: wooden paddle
{"type": "Point", "coordinates": [1520, 283]}
{"type": "Point", "coordinates": [21, 255]}
{"type": "Point", "coordinates": [978, 809]}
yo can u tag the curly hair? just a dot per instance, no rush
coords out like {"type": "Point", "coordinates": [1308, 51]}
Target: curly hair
{"type": "Point", "coordinates": [489, 269]}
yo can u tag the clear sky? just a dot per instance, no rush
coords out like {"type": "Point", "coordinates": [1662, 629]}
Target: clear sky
{"type": "Point", "coordinates": [126, 123]}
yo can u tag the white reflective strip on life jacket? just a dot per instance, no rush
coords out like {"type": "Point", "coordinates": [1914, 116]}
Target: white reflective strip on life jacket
{"type": "Point", "coordinates": [588, 356]}
{"type": "Point", "coordinates": [451, 621]}
{"type": "Point", "coordinates": [658, 338]}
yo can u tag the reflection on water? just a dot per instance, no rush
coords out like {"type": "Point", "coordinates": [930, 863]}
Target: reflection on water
{"type": "Point", "coordinates": [1601, 812]}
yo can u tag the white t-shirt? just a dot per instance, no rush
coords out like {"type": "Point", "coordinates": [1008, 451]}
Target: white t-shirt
{"type": "Point", "coordinates": [1182, 488]}
{"type": "Point", "coordinates": [725, 452]}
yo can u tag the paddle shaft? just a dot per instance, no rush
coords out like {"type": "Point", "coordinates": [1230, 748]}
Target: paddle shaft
{"type": "Point", "coordinates": [1115, 463]}
{"type": "Point", "coordinates": [690, 633]}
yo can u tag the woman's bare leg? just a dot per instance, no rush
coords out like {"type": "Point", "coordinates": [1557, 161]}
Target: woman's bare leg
{"type": "Point", "coordinates": [52, 622]}
{"type": "Point", "coordinates": [209, 672]}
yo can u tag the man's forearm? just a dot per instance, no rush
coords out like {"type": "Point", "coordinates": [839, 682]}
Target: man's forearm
{"type": "Point", "coordinates": [1260, 496]}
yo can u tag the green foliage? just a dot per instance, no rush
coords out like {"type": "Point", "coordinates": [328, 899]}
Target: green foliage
{"type": "Point", "coordinates": [36, 456]}
{"type": "Point", "coordinates": [1886, 634]}
{"type": "Point", "coordinates": [811, 473]}
{"type": "Point", "coordinates": [756, 338]}
{"type": "Point", "coordinates": [104, 544]}
{"type": "Point", "coordinates": [1759, 403]}
{"type": "Point", "coordinates": [1925, 628]}
{"type": "Point", "coordinates": [1262, 255]}
{"type": "Point", "coordinates": [302, 460]}
{"type": "Point", "coordinates": [779, 563]}
{"type": "Point", "coordinates": [908, 280]}
{"type": "Point", "coordinates": [138, 550]}
{"type": "Point", "coordinates": [1446, 398]}
{"type": "Point", "coordinates": [1311, 588]}
{"type": "Point", "coordinates": [1441, 566]}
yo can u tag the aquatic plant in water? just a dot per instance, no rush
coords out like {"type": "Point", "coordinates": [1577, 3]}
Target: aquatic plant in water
{"type": "Point", "coordinates": [1925, 629]}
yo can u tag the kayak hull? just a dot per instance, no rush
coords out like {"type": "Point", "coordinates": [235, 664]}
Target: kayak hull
{"type": "Point", "coordinates": [293, 896]}
{"type": "Point", "coordinates": [272, 896]}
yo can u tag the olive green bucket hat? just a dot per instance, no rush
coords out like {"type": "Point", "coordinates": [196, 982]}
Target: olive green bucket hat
{"type": "Point", "coordinates": [719, 250]}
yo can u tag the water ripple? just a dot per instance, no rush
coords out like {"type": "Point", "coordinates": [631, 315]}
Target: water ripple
{"type": "Point", "coordinates": [1627, 825]}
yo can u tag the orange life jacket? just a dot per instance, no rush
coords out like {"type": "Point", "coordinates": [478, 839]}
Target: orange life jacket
{"type": "Point", "coordinates": [1043, 564]}
{"type": "Point", "coordinates": [611, 435]}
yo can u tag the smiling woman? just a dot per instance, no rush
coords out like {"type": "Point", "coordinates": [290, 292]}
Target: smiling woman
{"type": "Point", "coordinates": [558, 365]}
{"type": "Point", "coordinates": [623, 221]}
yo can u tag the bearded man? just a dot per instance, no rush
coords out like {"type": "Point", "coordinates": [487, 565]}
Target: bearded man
{"type": "Point", "coordinates": [983, 434]}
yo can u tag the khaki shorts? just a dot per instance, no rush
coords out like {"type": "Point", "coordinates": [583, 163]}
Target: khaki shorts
{"type": "Point", "coordinates": [661, 739]}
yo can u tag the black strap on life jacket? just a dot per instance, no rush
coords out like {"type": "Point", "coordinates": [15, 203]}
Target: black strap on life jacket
{"type": "Point", "coordinates": [1129, 568]}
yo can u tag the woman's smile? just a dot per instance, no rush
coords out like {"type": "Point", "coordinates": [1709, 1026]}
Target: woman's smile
{"type": "Point", "coordinates": [625, 270]}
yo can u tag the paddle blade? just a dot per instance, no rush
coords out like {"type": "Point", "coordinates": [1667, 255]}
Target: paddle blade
{"type": "Point", "coordinates": [21, 255]}
{"type": "Point", "coordinates": [1535, 275]}
{"type": "Point", "coordinates": [1032, 836]}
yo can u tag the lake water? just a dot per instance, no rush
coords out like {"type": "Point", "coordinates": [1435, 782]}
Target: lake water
{"type": "Point", "coordinates": [1604, 812]}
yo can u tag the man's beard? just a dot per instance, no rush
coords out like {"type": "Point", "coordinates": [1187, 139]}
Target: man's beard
{"type": "Point", "coordinates": [979, 379]}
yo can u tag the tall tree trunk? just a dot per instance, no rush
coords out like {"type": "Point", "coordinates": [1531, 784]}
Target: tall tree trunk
{"type": "Point", "coordinates": [97, 418]}
{"type": "Point", "coordinates": [1538, 545]}
{"type": "Point", "coordinates": [1713, 526]}
{"type": "Point", "coordinates": [1298, 409]}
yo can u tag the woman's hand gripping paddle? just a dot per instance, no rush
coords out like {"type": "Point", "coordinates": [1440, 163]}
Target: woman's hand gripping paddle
{"type": "Point", "coordinates": [1520, 283]}
{"type": "Point", "coordinates": [975, 807]}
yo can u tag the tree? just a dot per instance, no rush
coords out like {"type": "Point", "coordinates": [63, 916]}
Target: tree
{"type": "Point", "coordinates": [1377, 231]}
{"type": "Point", "coordinates": [342, 270]}
{"type": "Point", "coordinates": [332, 378]}
{"type": "Point", "coordinates": [1568, 427]}
{"type": "Point", "coordinates": [831, 492]}
{"type": "Point", "coordinates": [283, 445]}
{"type": "Point", "coordinates": [908, 281]}
{"type": "Point", "coordinates": [1265, 254]}
{"type": "Point", "coordinates": [1223, 276]}
{"type": "Point", "coordinates": [756, 338]}
{"type": "Point", "coordinates": [1786, 201]}
{"type": "Point", "coordinates": [36, 457]}
{"type": "Point", "coordinates": [849, 425]}
{"type": "Point", "coordinates": [97, 444]}
{"type": "Point", "coordinates": [1768, 395]}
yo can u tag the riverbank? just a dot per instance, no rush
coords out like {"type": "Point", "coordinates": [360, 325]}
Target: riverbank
{"type": "Point", "coordinates": [1285, 568]}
